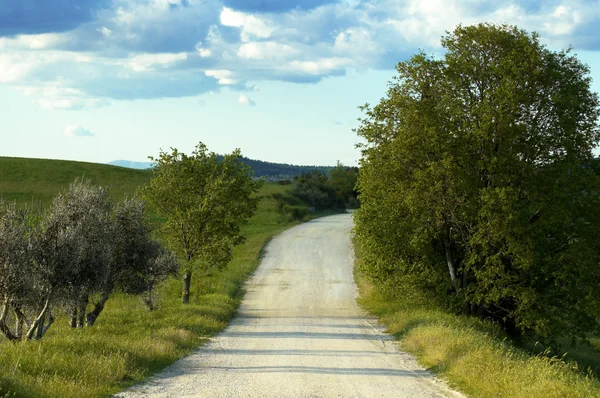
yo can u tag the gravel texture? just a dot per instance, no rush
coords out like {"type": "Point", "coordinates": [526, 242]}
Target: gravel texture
{"type": "Point", "coordinates": [299, 333]}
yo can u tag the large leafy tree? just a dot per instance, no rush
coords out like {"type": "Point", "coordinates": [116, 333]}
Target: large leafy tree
{"type": "Point", "coordinates": [205, 199]}
{"type": "Point", "coordinates": [477, 182]}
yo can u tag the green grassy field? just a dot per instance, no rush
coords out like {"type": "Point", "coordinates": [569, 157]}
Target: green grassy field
{"type": "Point", "coordinates": [128, 343]}
{"type": "Point", "coordinates": [476, 357]}
{"type": "Point", "coordinates": [31, 181]}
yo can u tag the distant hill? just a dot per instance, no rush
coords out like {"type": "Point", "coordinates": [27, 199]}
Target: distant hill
{"type": "Point", "coordinates": [132, 165]}
{"type": "Point", "coordinates": [268, 170]}
{"type": "Point", "coordinates": [281, 171]}
{"type": "Point", "coordinates": [39, 180]}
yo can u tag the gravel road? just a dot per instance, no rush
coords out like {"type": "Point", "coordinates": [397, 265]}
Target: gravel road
{"type": "Point", "coordinates": [299, 333]}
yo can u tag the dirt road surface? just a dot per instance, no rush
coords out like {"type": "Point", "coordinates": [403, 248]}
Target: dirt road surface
{"type": "Point", "coordinates": [299, 333]}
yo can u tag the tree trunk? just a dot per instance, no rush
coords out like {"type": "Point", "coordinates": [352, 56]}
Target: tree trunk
{"type": "Point", "coordinates": [74, 316]}
{"type": "Point", "coordinates": [33, 329]}
{"type": "Point", "coordinates": [185, 295]}
{"type": "Point", "coordinates": [20, 322]}
{"type": "Point", "coordinates": [98, 307]}
{"type": "Point", "coordinates": [42, 330]}
{"type": "Point", "coordinates": [450, 261]}
{"type": "Point", "coordinates": [39, 332]}
{"type": "Point", "coordinates": [81, 312]}
{"type": "Point", "coordinates": [3, 327]}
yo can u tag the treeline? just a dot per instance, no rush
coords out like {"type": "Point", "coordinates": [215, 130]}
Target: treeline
{"type": "Point", "coordinates": [281, 171]}
{"type": "Point", "coordinates": [476, 186]}
{"type": "Point", "coordinates": [332, 191]}
{"type": "Point", "coordinates": [72, 257]}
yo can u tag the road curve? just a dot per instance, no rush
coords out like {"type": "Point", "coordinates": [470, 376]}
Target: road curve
{"type": "Point", "coordinates": [299, 333]}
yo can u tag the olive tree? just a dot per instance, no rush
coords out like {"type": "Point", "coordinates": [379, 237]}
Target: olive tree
{"type": "Point", "coordinates": [18, 295]}
{"type": "Point", "coordinates": [475, 182]}
{"type": "Point", "coordinates": [75, 248]}
{"type": "Point", "coordinates": [138, 261]}
{"type": "Point", "coordinates": [205, 199]}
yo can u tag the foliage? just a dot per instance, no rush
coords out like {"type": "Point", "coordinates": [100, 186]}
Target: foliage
{"type": "Point", "coordinates": [316, 189]}
{"type": "Point", "coordinates": [280, 171]}
{"type": "Point", "coordinates": [343, 180]}
{"type": "Point", "coordinates": [205, 198]}
{"type": "Point", "coordinates": [80, 248]}
{"type": "Point", "coordinates": [475, 183]}
{"type": "Point", "coordinates": [130, 343]}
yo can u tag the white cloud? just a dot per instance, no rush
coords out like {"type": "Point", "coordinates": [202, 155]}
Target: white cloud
{"type": "Point", "coordinates": [55, 96]}
{"type": "Point", "coordinates": [243, 100]}
{"type": "Point", "coordinates": [144, 62]}
{"type": "Point", "coordinates": [562, 22]}
{"type": "Point", "coordinates": [106, 32]}
{"type": "Point", "coordinates": [42, 41]}
{"type": "Point", "coordinates": [319, 66]}
{"type": "Point", "coordinates": [250, 24]}
{"type": "Point", "coordinates": [14, 67]}
{"type": "Point", "coordinates": [266, 50]}
{"type": "Point", "coordinates": [76, 130]}
{"type": "Point", "coordinates": [224, 76]}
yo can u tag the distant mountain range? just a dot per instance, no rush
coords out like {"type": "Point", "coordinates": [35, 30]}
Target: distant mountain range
{"type": "Point", "coordinates": [268, 170]}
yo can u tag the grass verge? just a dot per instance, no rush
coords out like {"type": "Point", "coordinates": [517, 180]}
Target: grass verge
{"type": "Point", "coordinates": [128, 343]}
{"type": "Point", "coordinates": [475, 357]}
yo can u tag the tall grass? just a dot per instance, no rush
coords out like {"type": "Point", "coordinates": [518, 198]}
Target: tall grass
{"type": "Point", "coordinates": [475, 357]}
{"type": "Point", "coordinates": [128, 343]}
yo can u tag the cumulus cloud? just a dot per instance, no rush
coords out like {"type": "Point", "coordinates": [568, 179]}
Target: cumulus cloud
{"type": "Point", "coordinates": [274, 5]}
{"type": "Point", "coordinates": [250, 25]}
{"type": "Point", "coordinates": [243, 100]}
{"type": "Point", "coordinates": [223, 76]}
{"type": "Point", "coordinates": [144, 62]}
{"type": "Point", "coordinates": [75, 130]}
{"type": "Point", "coordinates": [133, 49]}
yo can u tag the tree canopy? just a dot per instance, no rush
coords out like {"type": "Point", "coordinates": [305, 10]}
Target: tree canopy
{"type": "Point", "coordinates": [476, 182]}
{"type": "Point", "coordinates": [205, 199]}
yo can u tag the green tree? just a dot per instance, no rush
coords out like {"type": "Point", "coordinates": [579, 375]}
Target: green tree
{"type": "Point", "coordinates": [343, 179]}
{"type": "Point", "coordinates": [475, 182]}
{"type": "Point", "coordinates": [205, 199]}
{"type": "Point", "coordinates": [316, 189]}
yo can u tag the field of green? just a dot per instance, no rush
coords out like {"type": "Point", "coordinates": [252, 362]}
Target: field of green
{"type": "Point", "coordinates": [35, 181]}
{"type": "Point", "coordinates": [128, 343]}
{"type": "Point", "coordinates": [477, 357]}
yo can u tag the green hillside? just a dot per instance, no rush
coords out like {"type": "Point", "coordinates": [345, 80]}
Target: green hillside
{"type": "Point", "coordinates": [31, 181]}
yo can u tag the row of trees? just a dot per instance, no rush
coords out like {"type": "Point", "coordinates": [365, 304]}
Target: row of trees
{"type": "Point", "coordinates": [477, 182]}
{"type": "Point", "coordinates": [72, 257]}
{"type": "Point", "coordinates": [336, 191]}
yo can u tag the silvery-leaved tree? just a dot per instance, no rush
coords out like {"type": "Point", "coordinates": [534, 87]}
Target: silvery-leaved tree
{"type": "Point", "coordinates": [75, 246]}
{"type": "Point", "coordinates": [205, 198]}
{"type": "Point", "coordinates": [138, 264]}
{"type": "Point", "coordinates": [19, 298]}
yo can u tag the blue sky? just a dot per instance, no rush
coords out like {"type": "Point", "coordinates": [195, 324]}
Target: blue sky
{"type": "Point", "coordinates": [99, 80]}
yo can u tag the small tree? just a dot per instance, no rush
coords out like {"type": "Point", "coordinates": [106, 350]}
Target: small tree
{"type": "Point", "coordinates": [76, 245]}
{"type": "Point", "coordinates": [205, 199]}
{"type": "Point", "coordinates": [139, 262]}
{"type": "Point", "coordinates": [316, 189]}
{"type": "Point", "coordinates": [18, 292]}
{"type": "Point", "coordinates": [343, 180]}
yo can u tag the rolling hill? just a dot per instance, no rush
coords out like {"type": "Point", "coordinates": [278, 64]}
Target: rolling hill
{"type": "Point", "coordinates": [38, 180]}
{"type": "Point", "coordinates": [267, 170]}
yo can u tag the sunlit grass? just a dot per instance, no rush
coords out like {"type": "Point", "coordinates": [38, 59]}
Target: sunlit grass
{"type": "Point", "coordinates": [128, 343]}
{"type": "Point", "coordinates": [476, 357]}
